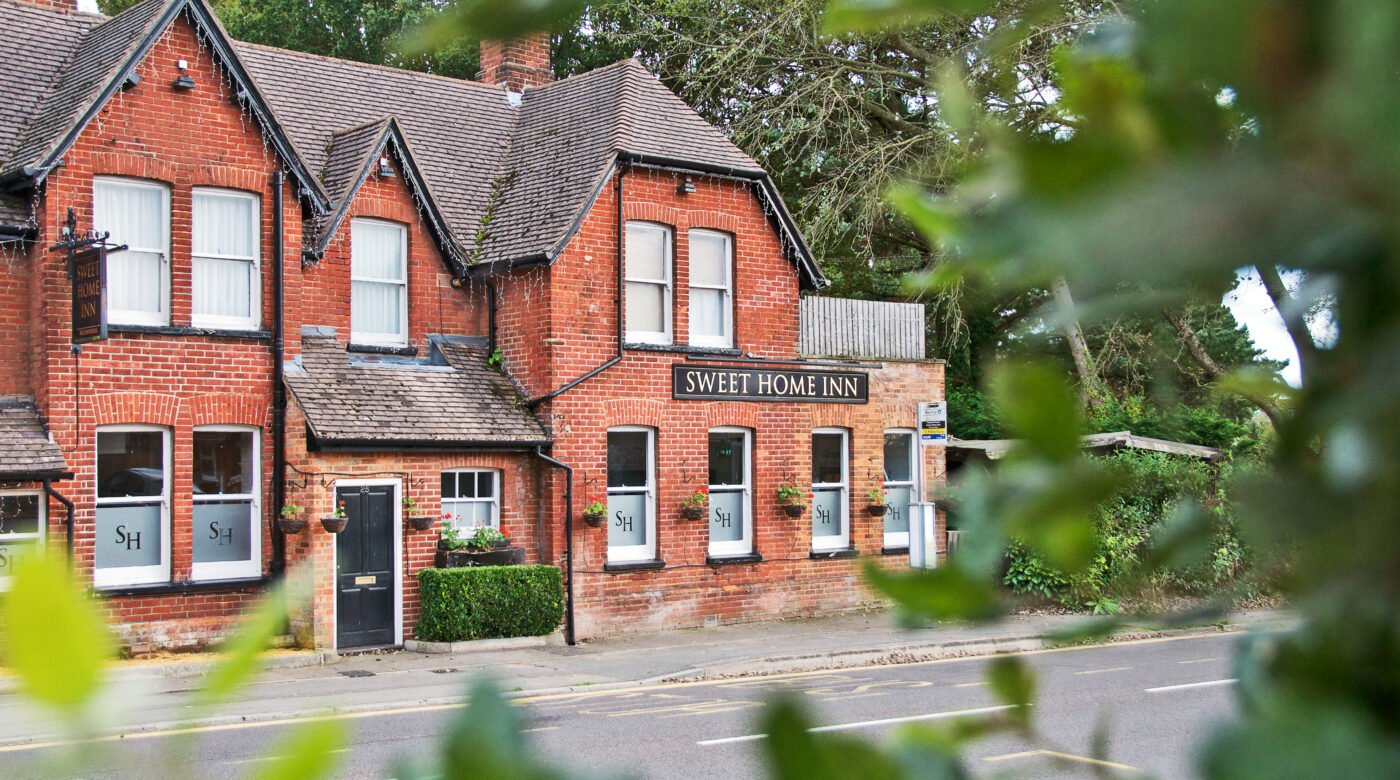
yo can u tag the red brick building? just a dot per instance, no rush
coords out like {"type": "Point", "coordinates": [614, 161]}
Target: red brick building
{"type": "Point", "coordinates": [344, 284]}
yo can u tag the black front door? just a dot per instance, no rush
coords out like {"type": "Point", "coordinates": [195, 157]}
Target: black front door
{"type": "Point", "coordinates": [364, 563]}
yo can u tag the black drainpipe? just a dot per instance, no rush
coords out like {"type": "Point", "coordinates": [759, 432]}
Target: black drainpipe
{"type": "Point", "coordinates": [67, 504]}
{"type": "Point", "coordinates": [621, 236]}
{"type": "Point", "coordinates": [568, 541]}
{"type": "Point", "coordinates": [279, 394]}
{"type": "Point", "coordinates": [490, 318]}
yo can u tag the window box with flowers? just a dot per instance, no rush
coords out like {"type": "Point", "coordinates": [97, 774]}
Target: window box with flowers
{"type": "Point", "coordinates": [791, 500]}
{"type": "Point", "coordinates": [335, 523]}
{"type": "Point", "coordinates": [485, 547]}
{"type": "Point", "coordinates": [694, 505]}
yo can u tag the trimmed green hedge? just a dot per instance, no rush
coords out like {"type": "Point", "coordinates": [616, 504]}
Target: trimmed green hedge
{"type": "Point", "coordinates": [480, 602]}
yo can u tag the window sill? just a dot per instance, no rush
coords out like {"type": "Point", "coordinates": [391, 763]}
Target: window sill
{"type": "Point", "coordinates": [382, 349]}
{"type": "Point", "coordinates": [682, 349]}
{"type": "Point", "coordinates": [614, 568]}
{"type": "Point", "coordinates": [727, 560]}
{"type": "Point", "coordinates": [184, 330]}
{"type": "Point", "coordinates": [188, 586]}
{"type": "Point", "coordinates": [844, 552]}
{"type": "Point", "coordinates": [894, 550]}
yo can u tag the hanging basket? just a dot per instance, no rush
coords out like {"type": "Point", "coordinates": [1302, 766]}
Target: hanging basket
{"type": "Point", "coordinates": [421, 522]}
{"type": "Point", "coordinates": [291, 525]}
{"type": "Point", "coordinates": [595, 519]}
{"type": "Point", "coordinates": [693, 512]}
{"type": "Point", "coordinates": [877, 510]}
{"type": "Point", "coordinates": [794, 510]}
{"type": "Point", "coordinates": [334, 524]}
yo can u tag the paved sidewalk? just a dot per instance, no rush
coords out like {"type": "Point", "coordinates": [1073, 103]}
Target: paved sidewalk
{"type": "Point", "coordinates": [155, 696]}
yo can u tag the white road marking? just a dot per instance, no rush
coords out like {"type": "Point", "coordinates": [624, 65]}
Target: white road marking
{"type": "Point", "coordinates": [1101, 671]}
{"type": "Point", "coordinates": [865, 724]}
{"type": "Point", "coordinates": [1065, 757]}
{"type": "Point", "coordinates": [1184, 686]}
{"type": "Point", "coordinates": [1198, 661]}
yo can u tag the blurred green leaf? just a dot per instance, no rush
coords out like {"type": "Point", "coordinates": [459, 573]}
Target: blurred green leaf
{"type": "Point", "coordinates": [1301, 738]}
{"type": "Point", "coordinates": [1085, 631]}
{"type": "Point", "coordinates": [490, 20]}
{"type": "Point", "coordinates": [858, 15]}
{"type": "Point", "coordinates": [947, 593]}
{"type": "Point", "coordinates": [794, 753]}
{"type": "Point", "coordinates": [1183, 540]}
{"type": "Point", "coordinates": [307, 752]}
{"type": "Point", "coordinates": [239, 659]}
{"type": "Point", "coordinates": [485, 741]}
{"type": "Point", "coordinates": [1014, 684]}
{"type": "Point", "coordinates": [52, 635]}
{"type": "Point", "coordinates": [1037, 408]}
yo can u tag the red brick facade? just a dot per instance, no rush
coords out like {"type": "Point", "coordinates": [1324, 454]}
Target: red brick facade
{"type": "Point", "coordinates": [554, 324]}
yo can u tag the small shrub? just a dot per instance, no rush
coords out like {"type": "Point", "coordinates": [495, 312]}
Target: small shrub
{"type": "Point", "coordinates": [483, 602]}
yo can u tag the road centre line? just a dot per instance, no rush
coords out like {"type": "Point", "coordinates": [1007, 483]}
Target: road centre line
{"type": "Point", "coordinates": [1102, 671]}
{"type": "Point", "coordinates": [1184, 686]}
{"type": "Point", "coordinates": [865, 724]}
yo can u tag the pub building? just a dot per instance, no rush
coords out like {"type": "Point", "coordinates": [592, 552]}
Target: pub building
{"type": "Point", "coordinates": [247, 289]}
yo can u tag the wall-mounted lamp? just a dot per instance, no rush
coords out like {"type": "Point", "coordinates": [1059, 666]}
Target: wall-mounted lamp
{"type": "Point", "coordinates": [130, 81]}
{"type": "Point", "coordinates": [184, 80]}
{"type": "Point", "coordinates": [686, 187]}
{"type": "Point", "coordinates": [385, 169]}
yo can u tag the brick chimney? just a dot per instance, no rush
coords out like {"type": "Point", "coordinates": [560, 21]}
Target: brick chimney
{"type": "Point", "coordinates": [516, 64]}
{"type": "Point", "coordinates": [61, 5]}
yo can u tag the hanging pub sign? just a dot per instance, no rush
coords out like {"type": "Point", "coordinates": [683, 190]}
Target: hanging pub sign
{"type": "Point", "coordinates": [90, 294]}
{"type": "Point", "coordinates": [933, 423]}
{"type": "Point", "coordinates": [722, 383]}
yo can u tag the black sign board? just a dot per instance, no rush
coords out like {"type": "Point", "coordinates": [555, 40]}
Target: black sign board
{"type": "Point", "coordinates": [722, 383]}
{"type": "Point", "coordinates": [90, 294]}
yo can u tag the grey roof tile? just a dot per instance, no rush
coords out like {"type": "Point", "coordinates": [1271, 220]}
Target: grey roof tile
{"type": "Point", "coordinates": [24, 444]}
{"type": "Point", "coordinates": [360, 400]}
{"type": "Point", "coordinates": [48, 38]}
{"type": "Point", "coordinates": [14, 210]}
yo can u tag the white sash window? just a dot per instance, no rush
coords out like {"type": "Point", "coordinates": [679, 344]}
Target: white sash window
{"type": "Point", "coordinates": [470, 498]}
{"type": "Point", "coordinates": [227, 288]}
{"type": "Point", "coordinates": [901, 484]}
{"type": "Point", "coordinates": [731, 497]}
{"type": "Point", "coordinates": [711, 289]}
{"type": "Point", "coordinates": [227, 518]}
{"type": "Point", "coordinates": [137, 214]}
{"type": "Point", "coordinates": [631, 494]}
{"type": "Point", "coordinates": [132, 538]}
{"type": "Point", "coordinates": [648, 292]}
{"type": "Point", "coordinates": [378, 283]}
{"type": "Point", "coordinates": [831, 527]}
{"type": "Point", "coordinates": [23, 524]}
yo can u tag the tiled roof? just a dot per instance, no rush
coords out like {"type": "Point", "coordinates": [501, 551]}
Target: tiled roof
{"type": "Point", "coordinates": [460, 400]}
{"type": "Point", "coordinates": [72, 88]}
{"type": "Point", "coordinates": [529, 171]}
{"type": "Point", "coordinates": [24, 444]}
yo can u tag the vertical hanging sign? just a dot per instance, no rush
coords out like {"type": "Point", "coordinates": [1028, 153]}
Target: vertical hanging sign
{"type": "Point", "coordinates": [933, 424]}
{"type": "Point", "coordinates": [90, 294]}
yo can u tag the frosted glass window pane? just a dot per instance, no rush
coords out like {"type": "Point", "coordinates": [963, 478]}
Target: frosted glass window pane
{"type": "Point", "coordinates": [461, 512]}
{"type": "Point", "coordinates": [707, 312]}
{"type": "Point", "coordinates": [645, 305]}
{"type": "Point", "coordinates": [376, 251]}
{"type": "Point", "coordinates": [726, 516]}
{"type": "Point", "coordinates": [828, 513]}
{"type": "Point", "coordinates": [898, 466]}
{"type": "Point", "coordinates": [375, 308]}
{"type": "Point", "coordinates": [128, 536]}
{"type": "Point", "coordinates": [709, 260]}
{"type": "Point", "coordinates": [134, 281]}
{"type": "Point", "coordinates": [897, 511]}
{"type": "Point", "coordinates": [646, 252]}
{"type": "Point", "coordinates": [223, 531]}
{"type": "Point", "coordinates": [13, 551]}
{"type": "Point", "coordinates": [134, 215]}
{"type": "Point", "coordinates": [223, 225]}
{"type": "Point", "coordinates": [223, 288]}
{"type": "Point", "coordinates": [627, 520]}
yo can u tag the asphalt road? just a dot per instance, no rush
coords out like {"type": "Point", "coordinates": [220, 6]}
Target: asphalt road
{"type": "Point", "coordinates": [1145, 704]}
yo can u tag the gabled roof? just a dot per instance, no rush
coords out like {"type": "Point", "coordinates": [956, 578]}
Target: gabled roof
{"type": "Point", "coordinates": [455, 402]}
{"type": "Point", "coordinates": [25, 449]}
{"type": "Point", "coordinates": [97, 66]}
{"type": "Point", "coordinates": [500, 183]}
{"type": "Point", "coordinates": [350, 157]}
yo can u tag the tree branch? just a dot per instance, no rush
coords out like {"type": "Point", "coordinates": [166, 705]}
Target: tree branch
{"type": "Point", "coordinates": [1214, 370]}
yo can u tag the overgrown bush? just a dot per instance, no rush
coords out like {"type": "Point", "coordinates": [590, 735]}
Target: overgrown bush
{"type": "Point", "coordinates": [1151, 485]}
{"type": "Point", "coordinates": [480, 602]}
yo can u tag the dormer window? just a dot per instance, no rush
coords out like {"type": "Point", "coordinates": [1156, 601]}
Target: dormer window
{"type": "Point", "coordinates": [378, 283]}
{"type": "Point", "coordinates": [648, 274]}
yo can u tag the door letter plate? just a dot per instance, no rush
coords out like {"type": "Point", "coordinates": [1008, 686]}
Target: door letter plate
{"type": "Point", "coordinates": [365, 580]}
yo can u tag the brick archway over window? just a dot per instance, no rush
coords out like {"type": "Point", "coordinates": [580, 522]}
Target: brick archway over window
{"type": "Point", "coordinates": [634, 412]}
{"type": "Point", "coordinates": [136, 408]}
{"type": "Point", "coordinates": [228, 409]}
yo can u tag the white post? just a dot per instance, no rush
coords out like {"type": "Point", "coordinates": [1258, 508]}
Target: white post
{"type": "Point", "coordinates": [923, 536]}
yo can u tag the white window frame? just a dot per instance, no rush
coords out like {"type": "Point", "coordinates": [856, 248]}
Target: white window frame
{"type": "Point", "coordinates": [230, 570]}
{"type": "Point", "coordinates": [915, 483]}
{"type": "Point", "coordinates": [135, 317]}
{"type": "Point", "coordinates": [137, 575]}
{"type": "Point", "coordinates": [40, 536]}
{"type": "Point", "coordinates": [254, 261]}
{"type": "Point", "coordinates": [743, 545]}
{"type": "Point", "coordinates": [494, 501]}
{"type": "Point", "coordinates": [840, 541]}
{"type": "Point", "coordinates": [637, 552]}
{"type": "Point", "coordinates": [382, 339]}
{"type": "Point", "coordinates": [727, 339]}
{"type": "Point", "coordinates": [668, 270]}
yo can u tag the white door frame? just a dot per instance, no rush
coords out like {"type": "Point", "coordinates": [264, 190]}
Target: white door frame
{"type": "Point", "coordinates": [397, 484]}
